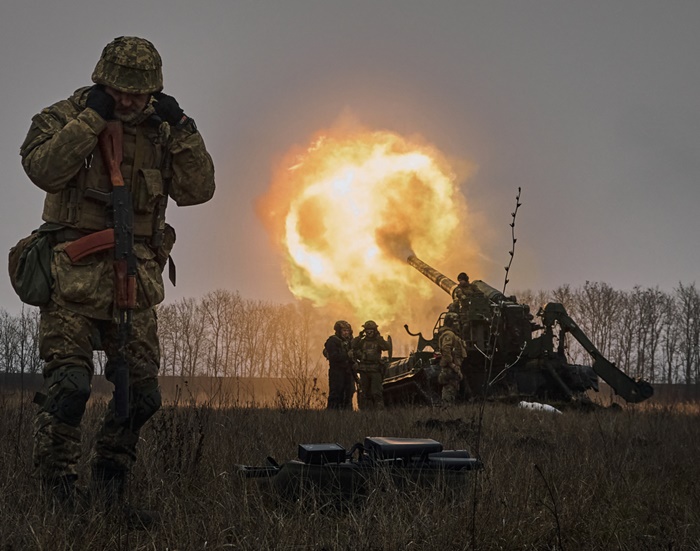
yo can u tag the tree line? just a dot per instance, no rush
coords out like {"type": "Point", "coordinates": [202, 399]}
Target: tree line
{"type": "Point", "coordinates": [647, 332]}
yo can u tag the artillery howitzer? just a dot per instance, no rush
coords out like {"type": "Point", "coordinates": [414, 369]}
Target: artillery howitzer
{"type": "Point", "coordinates": [339, 475]}
{"type": "Point", "coordinates": [503, 353]}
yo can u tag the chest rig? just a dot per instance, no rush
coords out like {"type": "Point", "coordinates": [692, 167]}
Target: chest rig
{"type": "Point", "coordinates": [86, 202]}
{"type": "Point", "coordinates": [371, 351]}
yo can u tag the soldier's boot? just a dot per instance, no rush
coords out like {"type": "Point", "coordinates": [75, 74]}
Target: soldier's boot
{"type": "Point", "coordinates": [61, 490]}
{"type": "Point", "coordinates": [109, 485]}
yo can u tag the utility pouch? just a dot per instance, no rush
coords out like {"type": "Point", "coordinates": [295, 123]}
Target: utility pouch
{"type": "Point", "coordinates": [166, 247]}
{"type": "Point", "coordinates": [30, 267]}
{"type": "Point", "coordinates": [147, 190]}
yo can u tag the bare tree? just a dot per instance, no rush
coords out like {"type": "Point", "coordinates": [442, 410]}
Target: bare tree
{"type": "Point", "coordinates": [27, 341]}
{"type": "Point", "coordinates": [221, 311]}
{"type": "Point", "coordinates": [688, 309]}
{"type": "Point", "coordinates": [8, 341]}
{"type": "Point", "coordinates": [596, 309]}
{"type": "Point", "coordinates": [669, 342]}
{"type": "Point", "coordinates": [652, 306]}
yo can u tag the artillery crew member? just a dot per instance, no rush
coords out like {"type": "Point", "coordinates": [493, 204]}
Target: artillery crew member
{"type": "Point", "coordinates": [367, 351]}
{"type": "Point", "coordinates": [162, 155]}
{"type": "Point", "coordinates": [341, 382]}
{"type": "Point", "coordinates": [474, 312]}
{"type": "Point", "coordinates": [452, 355]}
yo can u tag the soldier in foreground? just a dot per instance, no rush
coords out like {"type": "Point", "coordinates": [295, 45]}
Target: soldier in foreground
{"type": "Point", "coordinates": [452, 354]}
{"type": "Point", "coordinates": [162, 155]}
{"type": "Point", "coordinates": [367, 351]}
{"type": "Point", "coordinates": [341, 382]}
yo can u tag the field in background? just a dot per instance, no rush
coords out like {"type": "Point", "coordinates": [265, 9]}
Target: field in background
{"type": "Point", "coordinates": [606, 479]}
{"type": "Point", "coordinates": [268, 391]}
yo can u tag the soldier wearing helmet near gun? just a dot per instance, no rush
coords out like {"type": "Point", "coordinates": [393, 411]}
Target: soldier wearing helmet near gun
{"type": "Point", "coordinates": [162, 155]}
{"type": "Point", "coordinates": [367, 352]}
{"type": "Point", "coordinates": [474, 311]}
{"type": "Point", "coordinates": [452, 354]}
{"type": "Point", "coordinates": [341, 382]}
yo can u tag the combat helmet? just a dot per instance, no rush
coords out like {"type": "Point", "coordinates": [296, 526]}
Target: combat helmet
{"type": "Point", "coordinates": [462, 277]}
{"type": "Point", "coordinates": [370, 325]}
{"type": "Point", "coordinates": [451, 318]}
{"type": "Point", "coordinates": [130, 64]}
{"type": "Point", "coordinates": [340, 325]}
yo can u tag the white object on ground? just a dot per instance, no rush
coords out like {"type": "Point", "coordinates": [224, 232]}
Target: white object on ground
{"type": "Point", "coordinates": [539, 407]}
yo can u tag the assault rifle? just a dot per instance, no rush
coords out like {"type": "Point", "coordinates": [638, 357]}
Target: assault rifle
{"type": "Point", "coordinates": [111, 141]}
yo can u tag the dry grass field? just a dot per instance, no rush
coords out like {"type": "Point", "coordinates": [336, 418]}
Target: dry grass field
{"type": "Point", "coordinates": [605, 479]}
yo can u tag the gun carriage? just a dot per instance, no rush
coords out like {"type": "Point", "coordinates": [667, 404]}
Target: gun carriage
{"type": "Point", "coordinates": [508, 352]}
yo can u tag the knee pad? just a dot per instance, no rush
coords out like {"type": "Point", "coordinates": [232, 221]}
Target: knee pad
{"type": "Point", "coordinates": [145, 401]}
{"type": "Point", "coordinates": [68, 394]}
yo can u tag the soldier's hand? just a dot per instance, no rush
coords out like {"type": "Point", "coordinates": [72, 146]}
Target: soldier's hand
{"type": "Point", "coordinates": [168, 109]}
{"type": "Point", "coordinates": [100, 101]}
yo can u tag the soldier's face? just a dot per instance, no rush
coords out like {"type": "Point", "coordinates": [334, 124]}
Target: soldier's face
{"type": "Point", "coordinates": [127, 104]}
{"type": "Point", "coordinates": [345, 333]}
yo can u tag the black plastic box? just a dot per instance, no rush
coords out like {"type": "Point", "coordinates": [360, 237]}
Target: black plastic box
{"type": "Point", "coordinates": [383, 447]}
{"type": "Point", "coordinates": [318, 454]}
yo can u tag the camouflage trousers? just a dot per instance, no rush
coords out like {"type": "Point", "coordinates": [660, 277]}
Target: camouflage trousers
{"type": "Point", "coordinates": [449, 378]}
{"type": "Point", "coordinates": [371, 393]}
{"type": "Point", "coordinates": [66, 343]}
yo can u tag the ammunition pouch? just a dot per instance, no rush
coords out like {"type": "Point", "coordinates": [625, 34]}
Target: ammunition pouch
{"type": "Point", "coordinates": [29, 264]}
{"type": "Point", "coordinates": [69, 390]}
{"type": "Point", "coordinates": [368, 367]}
{"type": "Point", "coordinates": [147, 190]}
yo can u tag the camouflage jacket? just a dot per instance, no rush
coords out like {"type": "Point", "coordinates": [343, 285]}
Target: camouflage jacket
{"type": "Point", "coordinates": [369, 351]}
{"type": "Point", "coordinates": [471, 303]}
{"type": "Point", "coordinates": [451, 346]}
{"type": "Point", "coordinates": [61, 156]}
{"type": "Point", "coordinates": [337, 351]}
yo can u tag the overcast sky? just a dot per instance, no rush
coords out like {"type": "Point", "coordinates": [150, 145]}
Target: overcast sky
{"type": "Point", "coordinates": [592, 107]}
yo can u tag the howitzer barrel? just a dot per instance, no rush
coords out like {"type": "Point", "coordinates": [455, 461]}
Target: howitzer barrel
{"type": "Point", "coordinates": [441, 280]}
{"type": "Point", "coordinates": [447, 285]}
{"type": "Point", "coordinates": [491, 293]}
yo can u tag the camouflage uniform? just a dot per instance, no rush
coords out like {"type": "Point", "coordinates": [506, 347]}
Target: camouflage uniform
{"type": "Point", "coordinates": [453, 352]}
{"type": "Point", "coordinates": [341, 383]}
{"type": "Point", "coordinates": [367, 350]}
{"type": "Point", "coordinates": [474, 312]}
{"type": "Point", "coordinates": [61, 156]}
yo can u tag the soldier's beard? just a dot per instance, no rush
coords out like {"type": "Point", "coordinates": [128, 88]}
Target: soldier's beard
{"type": "Point", "coordinates": [135, 118]}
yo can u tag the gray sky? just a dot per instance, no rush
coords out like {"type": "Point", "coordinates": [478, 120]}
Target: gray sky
{"type": "Point", "coordinates": [593, 108]}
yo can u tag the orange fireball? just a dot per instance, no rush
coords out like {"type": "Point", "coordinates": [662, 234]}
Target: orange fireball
{"type": "Point", "coordinates": [348, 210]}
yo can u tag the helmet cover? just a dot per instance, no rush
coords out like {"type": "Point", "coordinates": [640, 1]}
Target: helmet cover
{"type": "Point", "coordinates": [130, 64]}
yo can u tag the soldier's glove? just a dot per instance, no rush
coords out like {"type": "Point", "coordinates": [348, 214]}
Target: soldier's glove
{"type": "Point", "coordinates": [101, 102]}
{"type": "Point", "coordinates": [168, 109]}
